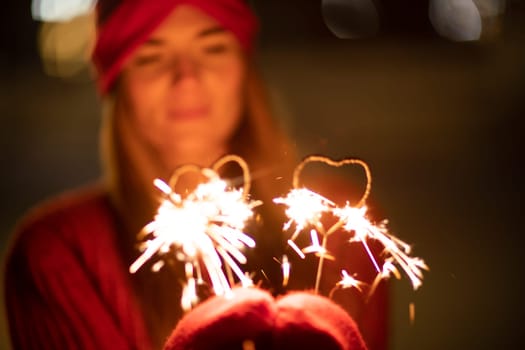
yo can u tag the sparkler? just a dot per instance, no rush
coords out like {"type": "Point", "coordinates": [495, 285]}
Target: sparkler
{"type": "Point", "coordinates": [305, 208]}
{"type": "Point", "coordinates": [203, 229]}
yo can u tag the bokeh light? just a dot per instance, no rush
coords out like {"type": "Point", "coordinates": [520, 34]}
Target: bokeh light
{"type": "Point", "coordinates": [60, 10]}
{"type": "Point", "coordinates": [65, 47]}
{"type": "Point", "coordinates": [465, 20]}
{"type": "Point", "coordinates": [349, 19]}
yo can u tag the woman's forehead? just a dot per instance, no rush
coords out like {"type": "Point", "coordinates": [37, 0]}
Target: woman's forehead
{"type": "Point", "coordinates": [132, 23]}
{"type": "Point", "coordinates": [186, 20]}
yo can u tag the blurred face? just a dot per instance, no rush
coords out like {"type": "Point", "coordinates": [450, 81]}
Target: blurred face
{"type": "Point", "coordinates": [181, 91]}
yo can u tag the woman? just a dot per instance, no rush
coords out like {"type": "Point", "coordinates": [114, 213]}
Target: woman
{"type": "Point", "coordinates": [178, 87]}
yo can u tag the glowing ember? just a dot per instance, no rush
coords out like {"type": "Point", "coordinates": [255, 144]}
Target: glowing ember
{"type": "Point", "coordinates": [286, 270]}
{"type": "Point", "coordinates": [349, 282]}
{"type": "Point", "coordinates": [412, 312]}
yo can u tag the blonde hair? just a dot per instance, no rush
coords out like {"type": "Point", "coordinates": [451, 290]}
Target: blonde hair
{"type": "Point", "coordinates": [258, 139]}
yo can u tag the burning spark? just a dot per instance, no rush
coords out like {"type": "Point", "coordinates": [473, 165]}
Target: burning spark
{"type": "Point", "coordinates": [412, 312]}
{"type": "Point", "coordinates": [206, 227]}
{"type": "Point", "coordinates": [305, 209]}
{"type": "Point", "coordinates": [296, 248]}
{"type": "Point", "coordinates": [355, 221]}
{"type": "Point", "coordinates": [285, 265]}
{"type": "Point", "coordinates": [349, 282]}
{"type": "Point", "coordinates": [316, 247]}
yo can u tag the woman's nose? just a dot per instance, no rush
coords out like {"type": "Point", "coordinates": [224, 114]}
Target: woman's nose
{"type": "Point", "coordinates": [184, 68]}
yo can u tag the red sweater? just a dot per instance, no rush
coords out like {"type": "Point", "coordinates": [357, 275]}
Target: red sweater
{"type": "Point", "coordinates": [66, 285]}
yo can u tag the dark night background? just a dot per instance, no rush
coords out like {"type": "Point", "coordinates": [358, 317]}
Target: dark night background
{"type": "Point", "coordinates": [439, 122]}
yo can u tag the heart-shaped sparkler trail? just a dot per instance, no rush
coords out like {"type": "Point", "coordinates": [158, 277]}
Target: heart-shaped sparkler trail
{"type": "Point", "coordinates": [305, 208]}
{"type": "Point", "coordinates": [204, 229]}
{"type": "Point", "coordinates": [335, 163]}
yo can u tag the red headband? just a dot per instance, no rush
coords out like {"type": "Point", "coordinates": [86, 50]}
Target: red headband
{"type": "Point", "coordinates": [133, 21]}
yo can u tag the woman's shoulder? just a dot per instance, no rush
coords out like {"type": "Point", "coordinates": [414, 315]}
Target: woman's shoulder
{"type": "Point", "coordinates": [78, 205]}
{"type": "Point", "coordinates": [62, 222]}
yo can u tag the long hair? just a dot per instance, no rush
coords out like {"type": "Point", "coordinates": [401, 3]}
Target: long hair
{"type": "Point", "coordinates": [129, 171]}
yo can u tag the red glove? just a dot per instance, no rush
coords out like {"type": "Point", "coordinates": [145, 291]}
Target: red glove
{"type": "Point", "coordinates": [295, 321]}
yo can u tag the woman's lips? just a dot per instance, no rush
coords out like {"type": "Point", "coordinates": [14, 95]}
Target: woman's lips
{"type": "Point", "coordinates": [188, 113]}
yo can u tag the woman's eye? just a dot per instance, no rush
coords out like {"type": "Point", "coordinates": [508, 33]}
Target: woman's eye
{"type": "Point", "coordinates": [146, 60]}
{"type": "Point", "coordinates": [216, 49]}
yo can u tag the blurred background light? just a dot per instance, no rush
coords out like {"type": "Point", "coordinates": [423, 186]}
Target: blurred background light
{"type": "Point", "coordinates": [457, 20]}
{"type": "Point", "coordinates": [60, 10]}
{"type": "Point", "coordinates": [349, 19]}
{"type": "Point", "coordinates": [466, 20]}
{"type": "Point", "coordinates": [65, 36]}
{"type": "Point", "coordinates": [65, 47]}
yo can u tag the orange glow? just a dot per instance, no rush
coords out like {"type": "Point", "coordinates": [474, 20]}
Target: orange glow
{"type": "Point", "coordinates": [204, 227]}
